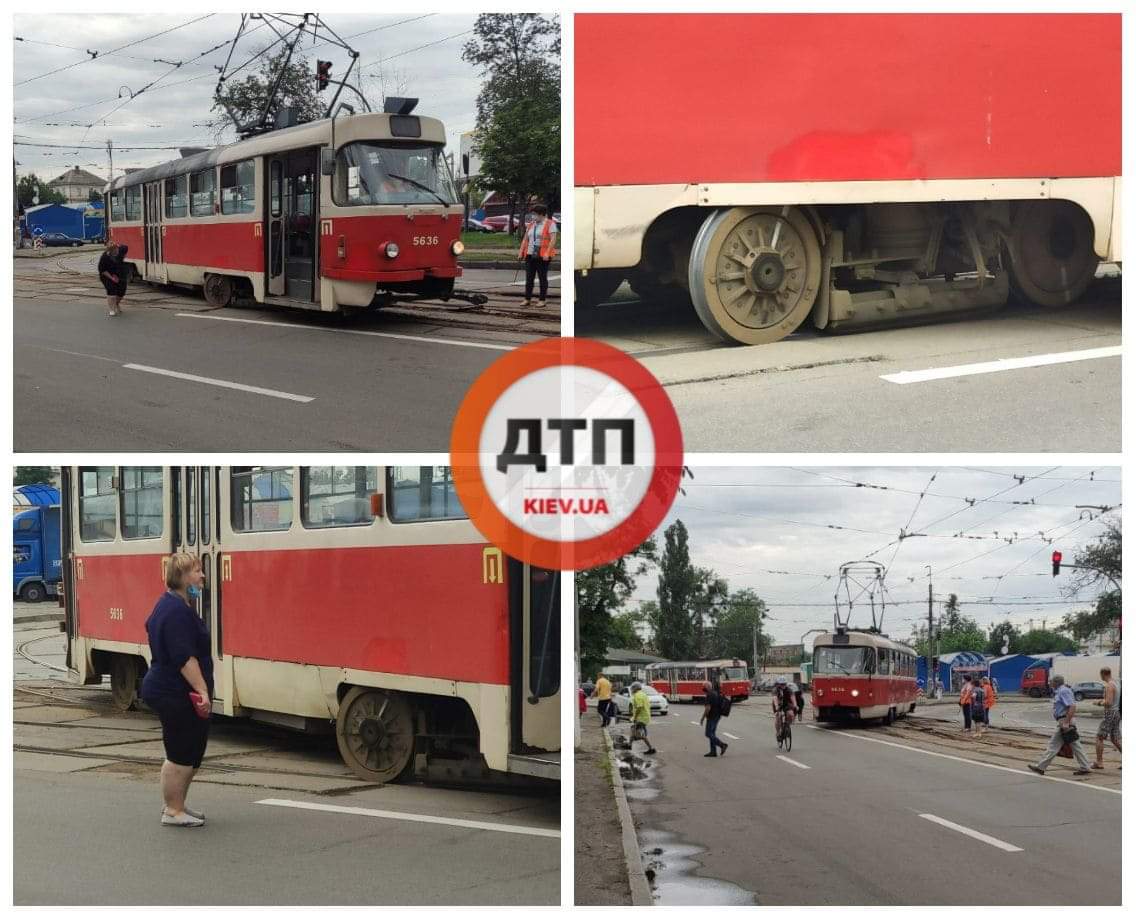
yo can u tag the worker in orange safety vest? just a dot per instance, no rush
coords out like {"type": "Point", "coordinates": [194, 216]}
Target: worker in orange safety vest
{"type": "Point", "coordinates": [538, 247]}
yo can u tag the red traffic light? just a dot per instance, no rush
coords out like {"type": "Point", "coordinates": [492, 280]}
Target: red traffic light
{"type": "Point", "coordinates": [1056, 562]}
{"type": "Point", "coordinates": [323, 74]}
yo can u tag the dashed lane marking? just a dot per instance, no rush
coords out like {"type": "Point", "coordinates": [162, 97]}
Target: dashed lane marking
{"type": "Point", "coordinates": [381, 335]}
{"type": "Point", "coordinates": [977, 835]}
{"type": "Point", "coordinates": [734, 737]}
{"type": "Point", "coordinates": [419, 819]}
{"type": "Point", "coordinates": [1001, 364]}
{"type": "Point", "coordinates": [227, 384]}
{"type": "Point", "coordinates": [793, 762]}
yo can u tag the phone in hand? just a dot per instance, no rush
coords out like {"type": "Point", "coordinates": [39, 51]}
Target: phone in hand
{"type": "Point", "coordinates": [200, 704]}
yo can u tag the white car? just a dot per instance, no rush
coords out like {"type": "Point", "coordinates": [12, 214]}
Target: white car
{"type": "Point", "coordinates": [623, 701]}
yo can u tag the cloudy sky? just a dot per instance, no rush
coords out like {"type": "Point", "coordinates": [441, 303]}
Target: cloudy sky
{"type": "Point", "coordinates": [57, 109]}
{"type": "Point", "coordinates": [773, 529]}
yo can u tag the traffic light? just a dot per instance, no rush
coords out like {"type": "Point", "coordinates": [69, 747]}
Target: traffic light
{"type": "Point", "coordinates": [323, 74]}
{"type": "Point", "coordinates": [1056, 562]}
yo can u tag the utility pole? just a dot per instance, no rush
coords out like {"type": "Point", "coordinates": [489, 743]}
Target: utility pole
{"type": "Point", "coordinates": [110, 157]}
{"type": "Point", "coordinates": [932, 665]}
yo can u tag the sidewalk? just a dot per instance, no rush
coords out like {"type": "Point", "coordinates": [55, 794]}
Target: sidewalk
{"type": "Point", "coordinates": [601, 869]}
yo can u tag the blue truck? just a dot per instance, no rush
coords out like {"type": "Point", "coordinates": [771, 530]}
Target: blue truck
{"type": "Point", "coordinates": [37, 566]}
{"type": "Point", "coordinates": [66, 224]}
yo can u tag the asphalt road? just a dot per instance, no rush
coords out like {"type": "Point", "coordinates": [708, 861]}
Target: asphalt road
{"type": "Point", "coordinates": [844, 819]}
{"type": "Point", "coordinates": [287, 821]}
{"type": "Point", "coordinates": [819, 392]}
{"type": "Point", "coordinates": [306, 382]}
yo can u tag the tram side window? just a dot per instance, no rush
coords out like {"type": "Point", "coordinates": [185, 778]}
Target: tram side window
{"type": "Point", "coordinates": [885, 661]}
{"type": "Point", "coordinates": [134, 202]}
{"type": "Point", "coordinates": [201, 188]}
{"type": "Point", "coordinates": [238, 184]}
{"type": "Point", "coordinates": [205, 508]}
{"type": "Point", "coordinates": [337, 496]}
{"type": "Point", "coordinates": [96, 504]}
{"type": "Point", "coordinates": [177, 203]}
{"type": "Point", "coordinates": [261, 498]}
{"type": "Point", "coordinates": [422, 493]}
{"type": "Point", "coordinates": [141, 502]}
{"type": "Point", "coordinates": [190, 505]}
{"type": "Point", "coordinates": [117, 207]}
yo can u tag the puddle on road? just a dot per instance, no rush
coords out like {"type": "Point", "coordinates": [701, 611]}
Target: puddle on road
{"type": "Point", "coordinates": [636, 772]}
{"type": "Point", "coordinates": [670, 868]}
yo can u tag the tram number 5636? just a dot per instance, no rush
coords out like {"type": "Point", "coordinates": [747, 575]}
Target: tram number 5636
{"type": "Point", "coordinates": [425, 241]}
{"type": "Point", "coordinates": [116, 613]}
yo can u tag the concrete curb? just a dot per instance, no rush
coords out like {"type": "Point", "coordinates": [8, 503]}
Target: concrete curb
{"type": "Point", "coordinates": [636, 877]}
{"type": "Point", "coordinates": [39, 618]}
{"type": "Point", "coordinates": [502, 264]}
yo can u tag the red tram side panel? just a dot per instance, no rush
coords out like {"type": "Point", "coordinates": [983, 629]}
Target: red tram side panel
{"type": "Point", "coordinates": [683, 681]}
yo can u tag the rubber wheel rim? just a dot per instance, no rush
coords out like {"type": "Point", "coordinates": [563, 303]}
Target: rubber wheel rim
{"type": "Point", "coordinates": [1052, 261]}
{"type": "Point", "coordinates": [375, 734]}
{"type": "Point", "coordinates": [722, 288]}
{"type": "Point", "coordinates": [788, 739]}
{"type": "Point", "coordinates": [32, 594]}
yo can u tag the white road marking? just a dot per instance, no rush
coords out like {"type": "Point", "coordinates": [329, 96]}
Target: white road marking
{"type": "Point", "coordinates": [77, 290]}
{"type": "Point", "coordinates": [381, 335]}
{"type": "Point", "coordinates": [793, 762]}
{"type": "Point", "coordinates": [728, 735]}
{"type": "Point", "coordinates": [977, 763]}
{"type": "Point", "coordinates": [692, 722]}
{"type": "Point", "coordinates": [551, 278]}
{"type": "Point", "coordinates": [977, 835]}
{"type": "Point", "coordinates": [1002, 364]}
{"type": "Point", "coordinates": [420, 819]}
{"type": "Point", "coordinates": [212, 381]}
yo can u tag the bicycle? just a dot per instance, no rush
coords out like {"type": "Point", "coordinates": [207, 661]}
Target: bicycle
{"type": "Point", "coordinates": [783, 727]}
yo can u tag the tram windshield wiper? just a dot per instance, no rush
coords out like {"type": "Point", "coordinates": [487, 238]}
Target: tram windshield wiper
{"type": "Point", "coordinates": [420, 185]}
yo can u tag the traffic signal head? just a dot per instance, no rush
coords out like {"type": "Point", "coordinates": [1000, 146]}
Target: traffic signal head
{"type": "Point", "coordinates": [1056, 562]}
{"type": "Point", "coordinates": [323, 74]}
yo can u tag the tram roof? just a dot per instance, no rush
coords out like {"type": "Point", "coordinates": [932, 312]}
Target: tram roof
{"type": "Point", "coordinates": [717, 662]}
{"type": "Point", "coordinates": [873, 640]}
{"type": "Point", "coordinates": [368, 126]}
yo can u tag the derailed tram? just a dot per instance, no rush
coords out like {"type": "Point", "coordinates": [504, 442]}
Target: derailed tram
{"type": "Point", "coordinates": [354, 600]}
{"type": "Point", "coordinates": [333, 215]}
{"type": "Point", "coordinates": [862, 675]}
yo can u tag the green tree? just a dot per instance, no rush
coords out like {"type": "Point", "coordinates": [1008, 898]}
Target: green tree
{"type": "Point", "coordinates": [687, 596]}
{"type": "Point", "coordinates": [967, 636]}
{"type": "Point", "coordinates": [733, 635]}
{"type": "Point", "coordinates": [1005, 633]}
{"type": "Point", "coordinates": [31, 186]}
{"type": "Point", "coordinates": [95, 196]}
{"type": "Point", "coordinates": [518, 106]}
{"type": "Point", "coordinates": [624, 631]}
{"type": "Point", "coordinates": [600, 593]}
{"type": "Point", "coordinates": [31, 475]}
{"type": "Point", "coordinates": [952, 618]}
{"type": "Point", "coordinates": [246, 98]}
{"type": "Point", "coordinates": [1100, 565]}
{"type": "Point", "coordinates": [1040, 641]}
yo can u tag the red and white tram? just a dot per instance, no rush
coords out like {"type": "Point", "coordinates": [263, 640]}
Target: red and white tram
{"type": "Point", "coordinates": [862, 675]}
{"type": "Point", "coordinates": [681, 681]}
{"type": "Point", "coordinates": [359, 596]}
{"type": "Point", "coordinates": [325, 216]}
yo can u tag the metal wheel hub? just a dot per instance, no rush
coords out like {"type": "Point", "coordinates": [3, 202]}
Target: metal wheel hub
{"type": "Point", "coordinates": [372, 733]}
{"type": "Point", "coordinates": [760, 271]}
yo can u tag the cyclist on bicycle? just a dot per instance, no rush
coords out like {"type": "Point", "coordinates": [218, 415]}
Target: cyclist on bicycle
{"type": "Point", "coordinates": [783, 702]}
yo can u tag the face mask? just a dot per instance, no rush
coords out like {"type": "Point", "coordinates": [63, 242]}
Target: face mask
{"type": "Point", "coordinates": [193, 591]}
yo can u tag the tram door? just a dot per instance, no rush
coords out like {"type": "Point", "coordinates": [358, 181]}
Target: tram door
{"type": "Point", "coordinates": [293, 224]}
{"type": "Point", "coordinates": [152, 227]}
{"type": "Point", "coordinates": [537, 691]}
{"type": "Point", "coordinates": [200, 515]}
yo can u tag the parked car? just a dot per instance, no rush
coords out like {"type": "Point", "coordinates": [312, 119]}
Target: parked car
{"type": "Point", "coordinates": [479, 226]}
{"type": "Point", "coordinates": [55, 238]}
{"type": "Point", "coordinates": [658, 702]}
{"type": "Point", "coordinates": [501, 223]}
{"type": "Point", "coordinates": [1088, 690]}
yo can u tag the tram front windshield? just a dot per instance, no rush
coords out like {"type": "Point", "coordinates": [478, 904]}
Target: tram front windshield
{"type": "Point", "coordinates": [843, 660]}
{"type": "Point", "coordinates": [373, 172]}
{"type": "Point", "coordinates": [734, 674]}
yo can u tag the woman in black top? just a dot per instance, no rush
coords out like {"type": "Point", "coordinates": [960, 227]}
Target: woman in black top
{"type": "Point", "coordinates": [181, 663]}
{"type": "Point", "coordinates": [112, 273]}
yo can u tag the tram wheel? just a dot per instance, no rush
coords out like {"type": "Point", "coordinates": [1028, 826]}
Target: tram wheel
{"type": "Point", "coordinates": [375, 732]}
{"type": "Point", "coordinates": [218, 290]}
{"type": "Point", "coordinates": [1052, 261]}
{"type": "Point", "coordinates": [754, 273]}
{"type": "Point", "coordinates": [124, 682]}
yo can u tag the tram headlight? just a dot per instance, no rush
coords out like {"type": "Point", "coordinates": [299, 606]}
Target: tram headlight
{"type": "Point", "coordinates": [457, 248]}
{"type": "Point", "coordinates": [391, 250]}
{"type": "Point", "coordinates": [855, 692]}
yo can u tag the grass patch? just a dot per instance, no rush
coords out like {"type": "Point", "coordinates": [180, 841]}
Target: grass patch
{"type": "Point", "coordinates": [475, 240]}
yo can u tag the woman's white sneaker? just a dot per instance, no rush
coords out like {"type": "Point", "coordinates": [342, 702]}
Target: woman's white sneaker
{"type": "Point", "coordinates": [183, 820]}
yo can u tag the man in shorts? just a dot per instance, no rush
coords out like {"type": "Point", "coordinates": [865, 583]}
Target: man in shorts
{"type": "Point", "coordinates": [640, 717]}
{"type": "Point", "coordinates": [1110, 722]}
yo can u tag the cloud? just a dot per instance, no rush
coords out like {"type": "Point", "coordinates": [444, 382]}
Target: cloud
{"type": "Point", "coordinates": [170, 117]}
{"type": "Point", "coordinates": [752, 524]}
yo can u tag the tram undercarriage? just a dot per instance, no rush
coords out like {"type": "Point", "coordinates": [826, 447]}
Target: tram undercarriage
{"type": "Point", "coordinates": [755, 274]}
